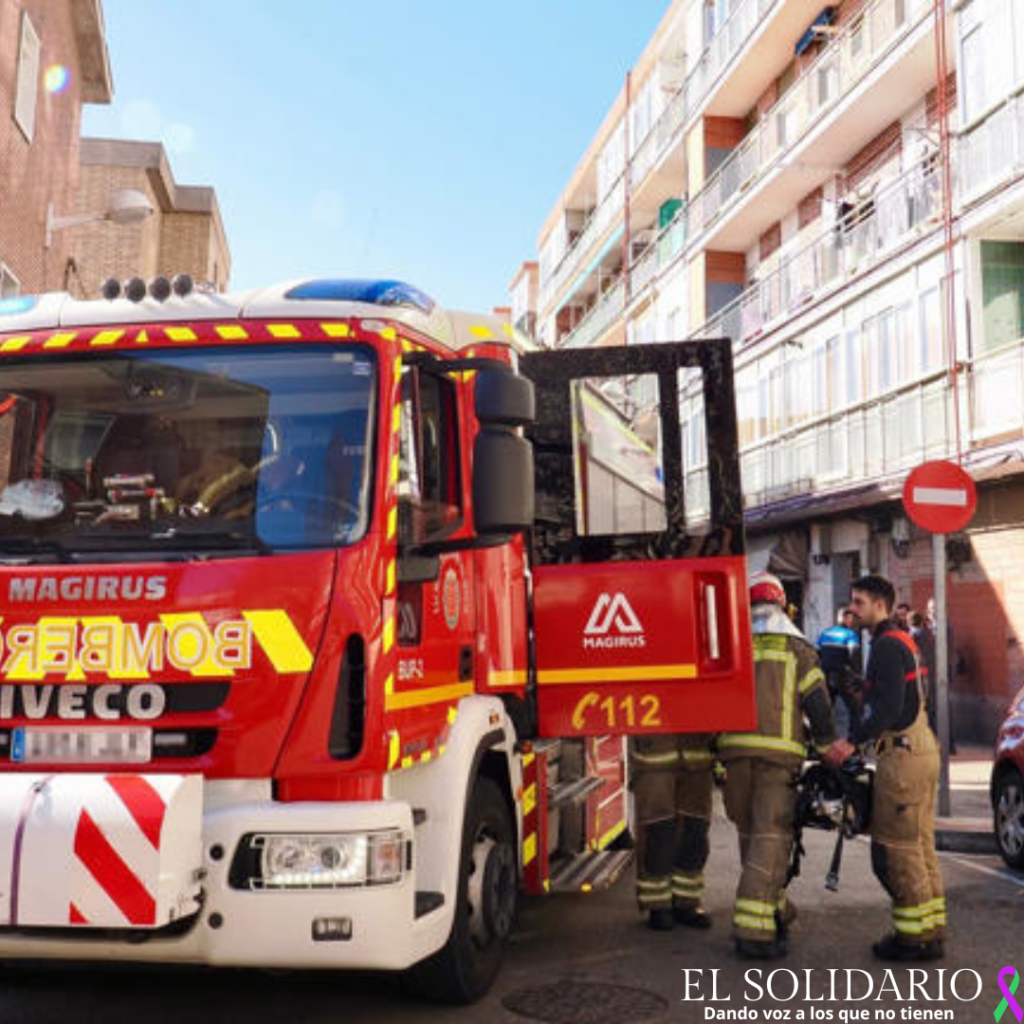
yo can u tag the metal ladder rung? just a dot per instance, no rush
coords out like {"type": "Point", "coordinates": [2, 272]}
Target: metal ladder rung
{"type": "Point", "coordinates": [571, 792]}
{"type": "Point", "coordinates": [596, 869]}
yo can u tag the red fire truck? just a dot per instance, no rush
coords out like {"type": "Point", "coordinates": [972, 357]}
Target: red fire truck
{"type": "Point", "coordinates": [308, 655]}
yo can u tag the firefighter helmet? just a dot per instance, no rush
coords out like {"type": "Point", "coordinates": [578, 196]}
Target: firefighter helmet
{"type": "Point", "coordinates": [832, 799]}
{"type": "Point", "coordinates": [766, 588]}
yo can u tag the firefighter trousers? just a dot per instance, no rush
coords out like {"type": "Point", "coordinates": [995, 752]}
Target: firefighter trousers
{"type": "Point", "coordinates": [672, 785]}
{"type": "Point", "coordinates": [903, 832]}
{"type": "Point", "coordinates": [760, 799]}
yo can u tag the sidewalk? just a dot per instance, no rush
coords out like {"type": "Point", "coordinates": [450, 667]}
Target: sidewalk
{"type": "Point", "coordinates": [969, 828]}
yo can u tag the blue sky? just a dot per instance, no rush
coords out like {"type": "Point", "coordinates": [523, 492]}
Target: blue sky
{"type": "Point", "coordinates": [425, 141]}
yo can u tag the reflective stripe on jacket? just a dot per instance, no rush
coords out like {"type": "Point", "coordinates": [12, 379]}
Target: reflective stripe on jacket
{"type": "Point", "coordinates": [786, 675]}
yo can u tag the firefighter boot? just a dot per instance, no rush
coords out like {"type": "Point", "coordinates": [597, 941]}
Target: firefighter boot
{"type": "Point", "coordinates": [774, 950]}
{"type": "Point", "coordinates": [660, 919]}
{"type": "Point", "coordinates": [692, 917]}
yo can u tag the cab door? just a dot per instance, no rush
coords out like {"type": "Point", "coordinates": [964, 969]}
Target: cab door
{"type": "Point", "coordinates": [435, 613]}
{"type": "Point", "coordinates": [640, 605]}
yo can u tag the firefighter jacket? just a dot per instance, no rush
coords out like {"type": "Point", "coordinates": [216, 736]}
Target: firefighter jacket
{"type": "Point", "coordinates": [789, 687]}
{"type": "Point", "coordinates": [892, 684]}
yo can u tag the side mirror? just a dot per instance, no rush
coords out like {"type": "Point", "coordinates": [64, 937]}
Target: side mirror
{"type": "Point", "coordinates": [502, 459]}
{"type": "Point", "coordinates": [503, 398]}
{"type": "Point", "coordinates": [417, 568]}
{"type": "Point", "coordinates": [502, 483]}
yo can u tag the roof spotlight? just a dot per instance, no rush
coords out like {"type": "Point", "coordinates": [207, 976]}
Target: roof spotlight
{"type": "Point", "coordinates": [183, 285]}
{"type": "Point", "coordinates": [135, 289]}
{"type": "Point", "coordinates": [111, 289]}
{"type": "Point", "coordinates": [160, 289]}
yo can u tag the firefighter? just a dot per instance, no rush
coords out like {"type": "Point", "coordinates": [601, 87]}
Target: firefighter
{"type": "Point", "coordinates": [762, 768]}
{"type": "Point", "coordinates": [672, 783]}
{"type": "Point", "coordinates": [906, 781]}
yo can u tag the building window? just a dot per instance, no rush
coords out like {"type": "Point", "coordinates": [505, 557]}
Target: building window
{"type": "Point", "coordinates": [9, 284]}
{"type": "Point", "coordinates": [834, 370]}
{"type": "Point", "coordinates": [28, 79]}
{"type": "Point", "coordinates": [1002, 285]}
{"type": "Point", "coordinates": [854, 367]}
{"type": "Point", "coordinates": [931, 330]}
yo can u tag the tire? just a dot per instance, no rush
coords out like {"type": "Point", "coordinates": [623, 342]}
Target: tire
{"type": "Point", "coordinates": [1008, 817]}
{"type": "Point", "coordinates": [465, 967]}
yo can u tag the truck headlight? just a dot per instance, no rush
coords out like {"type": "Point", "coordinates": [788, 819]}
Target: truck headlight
{"type": "Point", "coordinates": [328, 861]}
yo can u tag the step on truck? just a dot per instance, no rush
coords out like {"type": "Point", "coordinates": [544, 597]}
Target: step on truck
{"type": "Point", "coordinates": [325, 613]}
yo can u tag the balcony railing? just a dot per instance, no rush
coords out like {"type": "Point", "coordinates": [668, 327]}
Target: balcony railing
{"type": "Point", "coordinates": [899, 210]}
{"type": "Point", "coordinates": [659, 254]}
{"type": "Point", "coordinates": [608, 308]}
{"type": "Point", "coordinates": [734, 33]}
{"type": "Point", "coordinates": [877, 438]}
{"type": "Point", "coordinates": [992, 151]}
{"type": "Point", "coordinates": [841, 66]}
{"type": "Point", "coordinates": [595, 226]}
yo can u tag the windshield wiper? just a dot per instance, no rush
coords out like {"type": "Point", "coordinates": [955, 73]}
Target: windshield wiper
{"type": "Point", "coordinates": [210, 539]}
{"type": "Point", "coordinates": [22, 549]}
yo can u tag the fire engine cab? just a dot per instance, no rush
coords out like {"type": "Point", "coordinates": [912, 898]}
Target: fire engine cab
{"type": "Point", "coordinates": [324, 613]}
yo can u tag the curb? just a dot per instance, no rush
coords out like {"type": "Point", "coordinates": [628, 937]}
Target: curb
{"type": "Point", "coordinates": [973, 839]}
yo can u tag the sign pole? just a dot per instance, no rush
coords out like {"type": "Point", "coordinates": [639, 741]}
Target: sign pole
{"type": "Point", "coordinates": [941, 498]}
{"type": "Point", "coordinates": [941, 683]}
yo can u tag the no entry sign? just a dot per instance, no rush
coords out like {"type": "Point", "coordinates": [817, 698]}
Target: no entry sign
{"type": "Point", "coordinates": [940, 497]}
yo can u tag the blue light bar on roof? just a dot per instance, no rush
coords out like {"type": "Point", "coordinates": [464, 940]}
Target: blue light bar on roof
{"type": "Point", "coordinates": [18, 304]}
{"type": "Point", "coordinates": [379, 293]}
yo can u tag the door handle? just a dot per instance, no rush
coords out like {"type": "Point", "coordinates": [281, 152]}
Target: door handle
{"type": "Point", "coordinates": [465, 663]}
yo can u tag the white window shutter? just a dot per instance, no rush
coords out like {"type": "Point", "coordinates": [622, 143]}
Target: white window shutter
{"type": "Point", "coordinates": [28, 79]}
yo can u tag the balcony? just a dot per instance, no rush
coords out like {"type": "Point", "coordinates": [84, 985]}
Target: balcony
{"type": "Point", "coordinates": [776, 23]}
{"type": "Point", "coordinates": [659, 255]}
{"type": "Point", "coordinates": [992, 151]}
{"type": "Point", "coordinates": [799, 121]}
{"type": "Point", "coordinates": [606, 311]}
{"type": "Point", "coordinates": [568, 267]}
{"type": "Point", "coordinates": [878, 438]}
{"type": "Point", "coordinates": [898, 213]}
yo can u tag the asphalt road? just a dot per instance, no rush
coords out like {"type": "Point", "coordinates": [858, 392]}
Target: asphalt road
{"type": "Point", "coordinates": [578, 946]}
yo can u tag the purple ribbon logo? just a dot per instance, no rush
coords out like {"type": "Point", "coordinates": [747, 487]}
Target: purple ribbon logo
{"type": "Point", "coordinates": [1008, 1000]}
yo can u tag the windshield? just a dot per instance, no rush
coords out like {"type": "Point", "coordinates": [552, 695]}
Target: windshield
{"type": "Point", "coordinates": [219, 448]}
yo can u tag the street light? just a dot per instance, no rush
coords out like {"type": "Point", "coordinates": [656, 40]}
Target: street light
{"type": "Point", "coordinates": [127, 206]}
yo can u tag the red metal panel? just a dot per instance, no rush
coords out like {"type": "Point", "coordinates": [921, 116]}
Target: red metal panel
{"type": "Point", "coordinates": [644, 647]}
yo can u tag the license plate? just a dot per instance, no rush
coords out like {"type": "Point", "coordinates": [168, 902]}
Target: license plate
{"type": "Point", "coordinates": [31, 745]}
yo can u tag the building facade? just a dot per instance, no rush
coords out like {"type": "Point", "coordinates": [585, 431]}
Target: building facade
{"type": "Point", "coordinates": [53, 59]}
{"type": "Point", "coordinates": [185, 234]}
{"type": "Point", "coordinates": [839, 190]}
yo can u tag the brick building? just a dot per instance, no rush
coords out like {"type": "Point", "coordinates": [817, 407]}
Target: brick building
{"type": "Point", "coordinates": [53, 58]}
{"type": "Point", "coordinates": [185, 233]}
{"type": "Point", "coordinates": [772, 172]}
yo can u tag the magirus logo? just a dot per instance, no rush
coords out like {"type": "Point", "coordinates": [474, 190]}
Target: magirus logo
{"type": "Point", "coordinates": [613, 623]}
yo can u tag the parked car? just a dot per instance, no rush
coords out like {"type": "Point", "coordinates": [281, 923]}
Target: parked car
{"type": "Point", "coordinates": [1007, 786]}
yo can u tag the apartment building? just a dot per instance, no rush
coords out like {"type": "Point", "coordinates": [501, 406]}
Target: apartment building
{"type": "Point", "coordinates": [776, 171]}
{"type": "Point", "coordinates": [53, 59]}
{"type": "Point", "coordinates": [185, 234]}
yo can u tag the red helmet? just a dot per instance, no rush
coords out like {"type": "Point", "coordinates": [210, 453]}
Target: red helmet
{"type": "Point", "coordinates": [766, 588]}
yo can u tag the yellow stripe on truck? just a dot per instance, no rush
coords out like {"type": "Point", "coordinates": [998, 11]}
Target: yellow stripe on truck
{"type": "Point", "coordinates": [552, 677]}
{"type": "Point", "coordinates": [280, 641]}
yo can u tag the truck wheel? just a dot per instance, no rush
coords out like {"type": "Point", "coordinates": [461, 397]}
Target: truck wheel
{"type": "Point", "coordinates": [485, 909]}
{"type": "Point", "coordinates": [1009, 818]}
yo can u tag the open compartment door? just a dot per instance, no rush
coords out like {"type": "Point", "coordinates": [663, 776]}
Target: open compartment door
{"type": "Point", "coordinates": [640, 606]}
